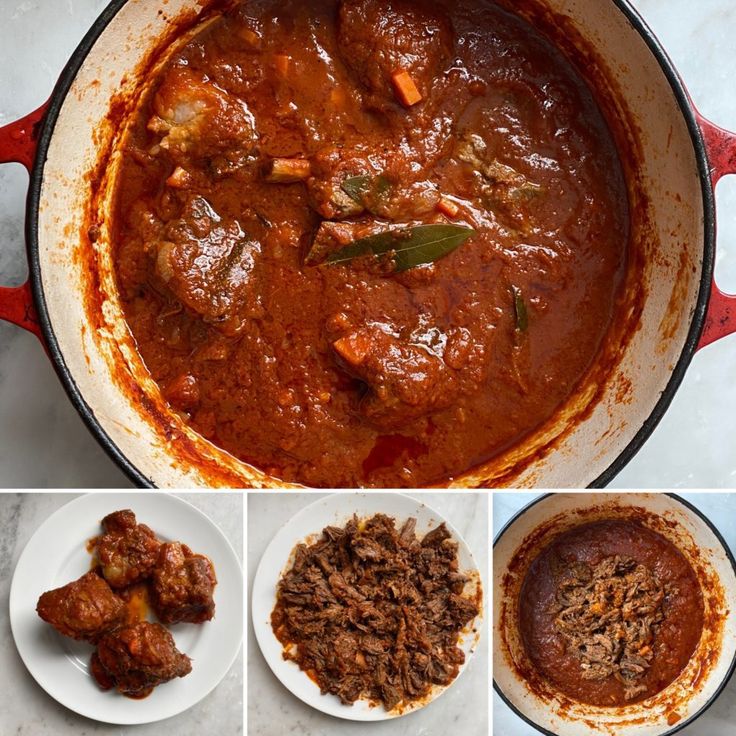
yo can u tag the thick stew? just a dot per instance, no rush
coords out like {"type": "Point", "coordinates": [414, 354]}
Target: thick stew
{"type": "Point", "coordinates": [369, 242]}
{"type": "Point", "coordinates": [610, 613]}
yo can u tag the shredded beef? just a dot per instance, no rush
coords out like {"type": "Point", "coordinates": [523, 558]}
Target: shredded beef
{"type": "Point", "coordinates": [372, 612]}
{"type": "Point", "coordinates": [609, 615]}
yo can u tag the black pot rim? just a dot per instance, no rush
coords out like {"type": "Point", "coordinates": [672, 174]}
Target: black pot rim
{"type": "Point", "coordinates": [139, 478]}
{"type": "Point", "coordinates": [732, 667]}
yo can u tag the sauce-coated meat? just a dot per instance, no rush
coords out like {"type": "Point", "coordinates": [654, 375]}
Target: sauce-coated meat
{"type": "Point", "coordinates": [207, 263]}
{"type": "Point", "coordinates": [138, 658]}
{"type": "Point", "coordinates": [182, 586]}
{"type": "Point", "coordinates": [415, 37]}
{"type": "Point", "coordinates": [131, 654]}
{"type": "Point", "coordinates": [127, 551]}
{"type": "Point", "coordinates": [85, 609]}
{"type": "Point", "coordinates": [195, 119]}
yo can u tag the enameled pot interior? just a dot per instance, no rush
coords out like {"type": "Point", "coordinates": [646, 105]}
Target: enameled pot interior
{"type": "Point", "coordinates": [102, 371]}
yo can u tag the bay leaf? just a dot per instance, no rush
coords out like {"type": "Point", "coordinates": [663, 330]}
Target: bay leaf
{"type": "Point", "coordinates": [407, 247]}
{"type": "Point", "coordinates": [520, 310]}
{"type": "Point", "coordinates": [356, 187]}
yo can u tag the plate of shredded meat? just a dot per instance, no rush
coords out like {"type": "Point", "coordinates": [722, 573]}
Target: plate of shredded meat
{"type": "Point", "coordinates": [367, 606]}
{"type": "Point", "coordinates": [127, 608]}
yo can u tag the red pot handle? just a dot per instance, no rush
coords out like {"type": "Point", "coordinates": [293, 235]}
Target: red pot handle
{"type": "Point", "coordinates": [18, 142]}
{"type": "Point", "coordinates": [720, 320]}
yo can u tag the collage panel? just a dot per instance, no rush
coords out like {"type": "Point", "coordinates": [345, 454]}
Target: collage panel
{"type": "Point", "coordinates": [380, 334]}
{"type": "Point", "coordinates": [614, 614]}
{"type": "Point", "coordinates": [493, 268]}
{"type": "Point", "coordinates": [119, 611]}
{"type": "Point", "coordinates": [368, 614]}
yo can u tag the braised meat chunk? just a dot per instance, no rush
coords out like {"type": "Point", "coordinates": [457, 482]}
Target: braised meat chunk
{"type": "Point", "coordinates": [405, 380]}
{"type": "Point", "coordinates": [197, 119]}
{"type": "Point", "coordinates": [207, 263]}
{"type": "Point", "coordinates": [372, 612]}
{"type": "Point", "coordinates": [127, 551]}
{"type": "Point", "coordinates": [387, 42]}
{"type": "Point", "coordinates": [84, 610]}
{"type": "Point", "coordinates": [133, 655]}
{"type": "Point", "coordinates": [182, 586]}
{"type": "Point", "coordinates": [333, 171]}
{"type": "Point", "coordinates": [136, 659]}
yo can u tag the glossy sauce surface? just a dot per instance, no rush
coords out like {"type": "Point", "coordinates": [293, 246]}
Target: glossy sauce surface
{"type": "Point", "coordinates": [248, 342]}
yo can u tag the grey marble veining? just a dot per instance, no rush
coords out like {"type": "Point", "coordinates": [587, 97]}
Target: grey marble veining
{"type": "Point", "coordinates": [274, 711]}
{"type": "Point", "coordinates": [720, 508]}
{"type": "Point", "coordinates": [26, 710]}
{"type": "Point", "coordinates": [44, 443]}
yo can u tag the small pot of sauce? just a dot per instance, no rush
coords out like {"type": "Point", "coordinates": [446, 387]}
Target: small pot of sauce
{"type": "Point", "coordinates": [522, 545]}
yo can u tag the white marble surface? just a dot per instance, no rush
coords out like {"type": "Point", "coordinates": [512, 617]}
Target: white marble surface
{"type": "Point", "coordinates": [43, 442]}
{"type": "Point", "coordinates": [274, 711]}
{"type": "Point", "coordinates": [720, 720]}
{"type": "Point", "coordinates": [26, 710]}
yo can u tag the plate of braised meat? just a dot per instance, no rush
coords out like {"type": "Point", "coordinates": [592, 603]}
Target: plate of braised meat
{"type": "Point", "coordinates": [138, 606]}
{"type": "Point", "coordinates": [367, 606]}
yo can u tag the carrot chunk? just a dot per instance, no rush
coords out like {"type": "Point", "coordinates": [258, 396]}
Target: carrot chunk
{"type": "Point", "coordinates": [288, 170]}
{"type": "Point", "coordinates": [353, 349]}
{"type": "Point", "coordinates": [180, 178]}
{"type": "Point", "coordinates": [405, 88]}
{"type": "Point", "coordinates": [447, 207]}
{"type": "Point", "coordinates": [251, 37]}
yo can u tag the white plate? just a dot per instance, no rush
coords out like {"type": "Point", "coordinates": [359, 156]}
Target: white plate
{"type": "Point", "coordinates": [336, 510]}
{"type": "Point", "coordinates": [56, 555]}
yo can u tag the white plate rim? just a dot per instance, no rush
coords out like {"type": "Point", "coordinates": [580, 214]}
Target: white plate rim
{"type": "Point", "coordinates": [115, 501]}
{"type": "Point", "coordinates": [264, 634]}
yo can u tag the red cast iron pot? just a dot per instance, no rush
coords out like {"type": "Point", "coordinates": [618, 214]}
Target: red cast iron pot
{"type": "Point", "coordinates": [673, 159]}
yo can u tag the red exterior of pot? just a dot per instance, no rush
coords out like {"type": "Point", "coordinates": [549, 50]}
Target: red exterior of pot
{"type": "Point", "coordinates": [720, 320]}
{"type": "Point", "coordinates": [18, 142]}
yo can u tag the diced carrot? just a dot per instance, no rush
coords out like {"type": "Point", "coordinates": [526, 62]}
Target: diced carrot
{"type": "Point", "coordinates": [354, 348]}
{"type": "Point", "coordinates": [288, 170]}
{"type": "Point", "coordinates": [180, 178]}
{"type": "Point", "coordinates": [447, 207]}
{"type": "Point", "coordinates": [286, 397]}
{"type": "Point", "coordinates": [282, 64]}
{"type": "Point", "coordinates": [405, 88]}
{"type": "Point", "coordinates": [251, 37]}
